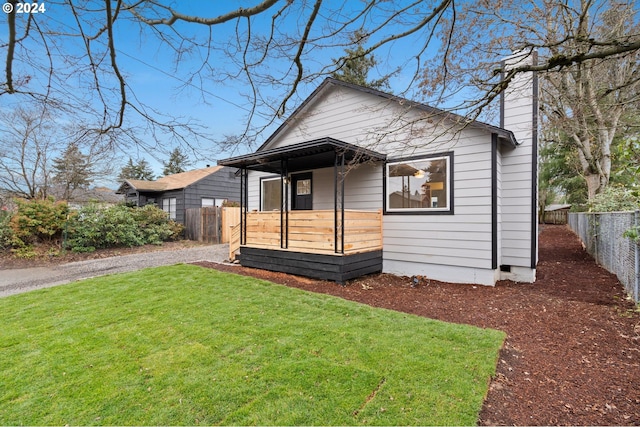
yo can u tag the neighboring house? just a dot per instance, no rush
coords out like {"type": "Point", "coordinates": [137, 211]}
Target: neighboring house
{"type": "Point", "coordinates": [358, 181]}
{"type": "Point", "coordinates": [206, 187]}
{"type": "Point", "coordinates": [100, 195]}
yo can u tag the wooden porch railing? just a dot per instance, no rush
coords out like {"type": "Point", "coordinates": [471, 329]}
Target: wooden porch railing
{"type": "Point", "coordinates": [314, 231]}
{"type": "Point", "coordinates": [234, 241]}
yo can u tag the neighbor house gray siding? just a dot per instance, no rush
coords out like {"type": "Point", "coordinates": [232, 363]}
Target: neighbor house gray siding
{"type": "Point", "coordinates": [180, 205]}
{"type": "Point", "coordinates": [221, 185]}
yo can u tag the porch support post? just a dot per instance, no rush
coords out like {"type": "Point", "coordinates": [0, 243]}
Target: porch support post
{"type": "Point", "coordinates": [284, 204]}
{"type": "Point", "coordinates": [243, 205]}
{"type": "Point", "coordinates": [338, 202]}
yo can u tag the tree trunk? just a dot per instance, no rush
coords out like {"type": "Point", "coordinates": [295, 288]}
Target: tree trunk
{"type": "Point", "coordinates": [593, 185]}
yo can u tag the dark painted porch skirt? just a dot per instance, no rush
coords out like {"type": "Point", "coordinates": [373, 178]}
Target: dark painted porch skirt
{"type": "Point", "coordinates": [338, 268]}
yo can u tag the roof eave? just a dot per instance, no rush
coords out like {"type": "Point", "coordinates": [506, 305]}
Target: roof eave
{"type": "Point", "coordinates": [264, 160]}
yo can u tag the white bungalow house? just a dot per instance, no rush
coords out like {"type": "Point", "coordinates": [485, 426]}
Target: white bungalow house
{"type": "Point", "coordinates": [358, 181]}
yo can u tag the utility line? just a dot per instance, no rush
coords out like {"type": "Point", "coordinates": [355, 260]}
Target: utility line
{"type": "Point", "coordinates": [153, 67]}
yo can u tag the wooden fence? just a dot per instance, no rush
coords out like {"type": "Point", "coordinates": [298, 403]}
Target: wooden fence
{"type": "Point", "coordinates": [210, 225]}
{"type": "Point", "coordinates": [555, 217]}
{"type": "Point", "coordinates": [230, 218]}
{"type": "Point", "coordinates": [234, 241]}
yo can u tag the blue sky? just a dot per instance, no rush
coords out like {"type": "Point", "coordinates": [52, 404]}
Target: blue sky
{"type": "Point", "coordinates": [159, 82]}
{"type": "Point", "coordinates": [220, 106]}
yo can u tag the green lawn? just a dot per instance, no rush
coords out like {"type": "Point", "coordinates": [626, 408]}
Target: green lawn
{"type": "Point", "coordinates": [187, 345]}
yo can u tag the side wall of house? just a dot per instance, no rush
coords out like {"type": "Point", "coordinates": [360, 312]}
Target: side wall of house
{"type": "Point", "coordinates": [222, 184]}
{"type": "Point", "coordinates": [363, 188]}
{"type": "Point", "coordinates": [179, 196]}
{"type": "Point", "coordinates": [452, 247]}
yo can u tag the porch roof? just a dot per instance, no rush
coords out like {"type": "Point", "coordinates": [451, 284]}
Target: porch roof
{"type": "Point", "coordinates": [319, 153]}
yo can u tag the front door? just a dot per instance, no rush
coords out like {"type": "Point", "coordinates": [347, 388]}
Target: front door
{"type": "Point", "coordinates": [301, 191]}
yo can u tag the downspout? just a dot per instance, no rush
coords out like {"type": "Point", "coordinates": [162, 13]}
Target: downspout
{"type": "Point", "coordinates": [494, 201]}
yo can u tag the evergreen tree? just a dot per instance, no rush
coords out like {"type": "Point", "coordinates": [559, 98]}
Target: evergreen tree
{"type": "Point", "coordinates": [140, 170]}
{"type": "Point", "coordinates": [178, 162]}
{"type": "Point", "coordinates": [72, 171]}
{"type": "Point", "coordinates": [354, 67]}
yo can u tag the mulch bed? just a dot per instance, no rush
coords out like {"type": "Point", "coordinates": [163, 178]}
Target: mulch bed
{"type": "Point", "coordinates": [572, 354]}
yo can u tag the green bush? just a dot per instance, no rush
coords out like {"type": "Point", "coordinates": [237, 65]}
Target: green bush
{"type": "Point", "coordinates": [117, 226]}
{"type": "Point", "coordinates": [38, 221]}
{"type": "Point", "coordinates": [615, 199]}
{"type": "Point", "coordinates": [156, 226]}
{"type": "Point", "coordinates": [6, 232]}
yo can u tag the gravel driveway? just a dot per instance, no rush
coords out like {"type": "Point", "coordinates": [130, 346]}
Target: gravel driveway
{"type": "Point", "coordinates": [27, 279]}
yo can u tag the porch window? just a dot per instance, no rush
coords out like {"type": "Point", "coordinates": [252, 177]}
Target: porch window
{"type": "Point", "coordinates": [270, 194]}
{"type": "Point", "coordinates": [419, 185]}
{"type": "Point", "coordinates": [169, 206]}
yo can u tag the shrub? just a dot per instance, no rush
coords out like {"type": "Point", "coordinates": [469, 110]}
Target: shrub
{"type": "Point", "coordinates": [615, 199]}
{"type": "Point", "coordinates": [6, 232]}
{"type": "Point", "coordinates": [156, 226]}
{"type": "Point", "coordinates": [26, 252]}
{"type": "Point", "coordinates": [38, 221]}
{"type": "Point", "coordinates": [94, 227]}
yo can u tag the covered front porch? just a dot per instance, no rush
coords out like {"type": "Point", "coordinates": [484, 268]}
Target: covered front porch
{"type": "Point", "coordinates": [331, 244]}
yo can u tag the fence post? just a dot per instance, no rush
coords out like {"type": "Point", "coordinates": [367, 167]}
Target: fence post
{"type": "Point", "coordinates": [637, 257]}
{"type": "Point", "coordinates": [595, 237]}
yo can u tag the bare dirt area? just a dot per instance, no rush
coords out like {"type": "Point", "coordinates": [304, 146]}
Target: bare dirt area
{"type": "Point", "coordinates": [572, 353]}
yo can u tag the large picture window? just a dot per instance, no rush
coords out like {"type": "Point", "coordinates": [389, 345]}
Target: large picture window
{"type": "Point", "coordinates": [419, 185]}
{"type": "Point", "coordinates": [270, 194]}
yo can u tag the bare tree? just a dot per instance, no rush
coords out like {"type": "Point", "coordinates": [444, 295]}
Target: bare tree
{"type": "Point", "coordinates": [33, 141]}
{"type": "Point", "coordinates": [587, 50]}
{"type": "Point", "coordinates": [26, 146]}
{"type": "Point", "coordinates": [269, 49]}
{"type": "Point", "coordinates": [587, 101]}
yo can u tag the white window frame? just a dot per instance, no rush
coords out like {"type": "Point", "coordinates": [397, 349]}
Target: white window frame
{"type": "Point", "coordinates": [262, 181]}
{"type": "Point", "coordinates": [169, 206]}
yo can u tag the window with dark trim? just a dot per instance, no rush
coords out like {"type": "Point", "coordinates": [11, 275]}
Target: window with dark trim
{"type": "Point", "coordinates": [419, 185]}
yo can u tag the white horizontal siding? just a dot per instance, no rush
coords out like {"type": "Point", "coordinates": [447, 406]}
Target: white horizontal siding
{"type": "Point", "coordinates": [457, 247]}
{"type": "Point", "coordinates": [445, 273]}
{"type": "Point", "coordinates": [362, 189]}
{"type": "Point", "coordinates": [452, 258]}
